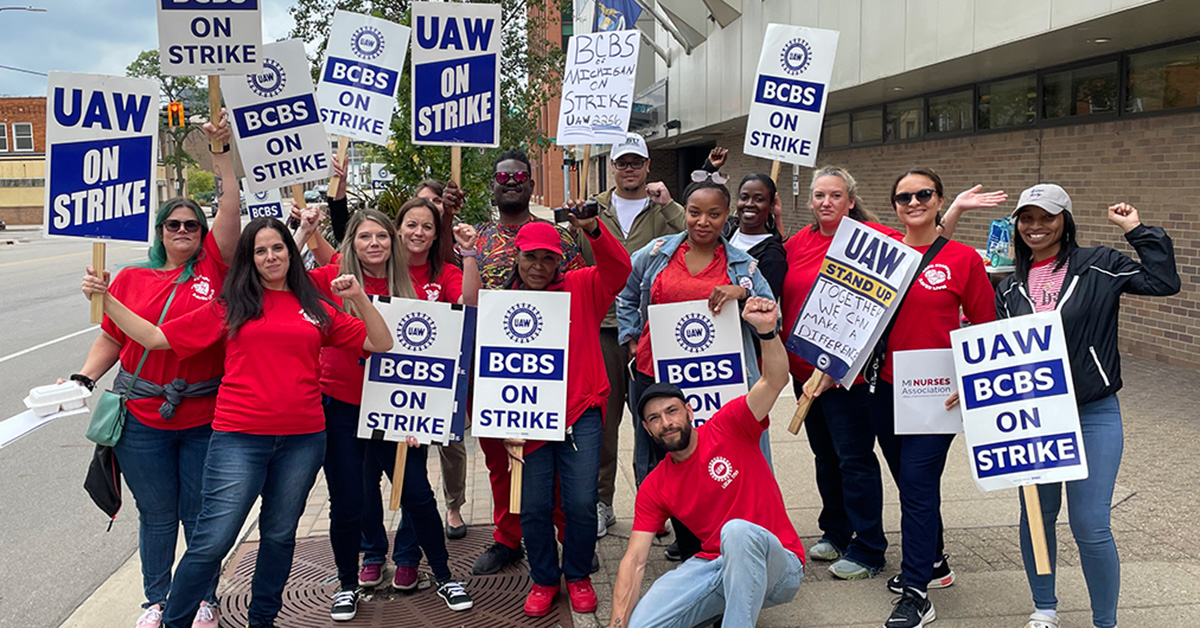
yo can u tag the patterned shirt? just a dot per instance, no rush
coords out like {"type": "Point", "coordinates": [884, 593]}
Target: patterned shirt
{"type": "Point", "coordinates": [497, 256]}
{"type": "Point", "coordinates": [1045, 284]}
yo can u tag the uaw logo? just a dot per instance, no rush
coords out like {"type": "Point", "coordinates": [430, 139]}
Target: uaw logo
{"type": "Point", "coordinates": [935, 277]}
{"type": "Point", "coordinates": [796, 56]}
{"type": "Point", "coordinates": [202, 288]}
{"type": "Point", "coordinates": [270, 81]}
{"type": "Point", "coordinates": [722, 471]}
{"type": "Point", "coordinates": [367, 42]}
{"type": "Point", "coordinates": [522, 323]}
{"type": "Point", "coordinates": [416, 331]}
{"type": "Point", "coordinates": [823, 361]}
{"type": "Point", "coordinates": [261, 196]}
{"type": "Point", "coordinates": [695, 332]}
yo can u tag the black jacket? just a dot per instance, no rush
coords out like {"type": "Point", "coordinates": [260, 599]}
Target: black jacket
{"type": "Point", "coordinates": [772, 262]}
{"type": "Point", "coordinates": [1091, 295]}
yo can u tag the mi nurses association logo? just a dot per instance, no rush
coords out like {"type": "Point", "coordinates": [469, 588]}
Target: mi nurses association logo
{"type": "Point", "coordinates": [695, 333]}
{"type": "Point", "coordinates": [416, 331]}
{"type": "Point", "coordinates": [270, 81]}
{"type": "Point", "coordinates": [202, 288]}
{"type": "Point", "coordinates": [720, 469]}
{"type": "Point", "coordinates": [796, 56]}
{"type": "Point", "coordinates": [935, 277]}
{"type": "Point", "coordinates": [367, 42]}
{"type": "Point", "coordinates": [522, 323]}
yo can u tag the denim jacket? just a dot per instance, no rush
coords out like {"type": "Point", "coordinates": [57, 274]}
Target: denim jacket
{"type": "Point", "coordinates": [648, 261]}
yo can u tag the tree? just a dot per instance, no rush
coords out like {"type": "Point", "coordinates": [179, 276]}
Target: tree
{"type": "Point", "coordinates": [530, 69]}
{"type": "Point", "coordinates": [186, 89]}
{"type": "Point", "coordinates": [200, 181]}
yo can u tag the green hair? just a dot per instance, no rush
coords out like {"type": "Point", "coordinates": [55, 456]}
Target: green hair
{"type": "Point", "coordinates": [157, 257]}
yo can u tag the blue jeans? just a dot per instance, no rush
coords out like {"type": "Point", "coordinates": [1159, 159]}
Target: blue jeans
{"type": "Point", "coordinates": [1089, 502]}
{"type": "Point", "coordinates": [239, 468]}
{"type": "Point", "coordinates": [576, 463]}
{"type": "Point", "coordinates": [849, 420]}
{"type": "Point", "coordinates": [163, 469]}
{"type": "Point", "coordinates": [753, 572]}
{"type": "Point", "coordinates": [916, 462]}
{"type": "Point", "coordinates": [406, 551]}
{"type": "Point", "coordinates": [832, 521]}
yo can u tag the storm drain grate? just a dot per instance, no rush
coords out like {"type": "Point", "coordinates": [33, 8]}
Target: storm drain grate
{"type": "Point", "coordinates": [499, 599]}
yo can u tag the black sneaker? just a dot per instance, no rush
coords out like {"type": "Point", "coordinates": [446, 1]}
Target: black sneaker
{"type": "Point", "coordinates": [595, 562]}
{"type": "Point", "coordinates": [496, 558]}
{"type": "Point", "coordinates": [345, 606]}
{"type": "Point", "coordinates": [672, 553]}
{"type": "Point", "coordinates": [941, 577]}
{"type": "Point", "coordinates": [912, 611]}
{"type": "Point", "coordinates": [455, 595]}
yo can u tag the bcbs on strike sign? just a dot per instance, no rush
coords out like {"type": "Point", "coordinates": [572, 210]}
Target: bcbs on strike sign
{"type": "Point", "coordinates": [101, 149]}
{"type": "Point", "coordinates": [265, 203]}
{"type": "Point", "coordinates": [279, 135]}
{"type": "Point", "coordinates": [209, 37]}
{"type": "Point", "coordinates": [790, 90]}
{"type": "Point", "coordinates": [521, 365]}
{"type": "Point", "coordinates": [456, 74]}
{"type": "Point", "coordinates": [1018, 401]}
{"type": "Point", "coordinates": [381, 177]}
{"type": "Point", "coordinates": [699, 352]}
{"type": "Point", "coordinates": [362, 69]}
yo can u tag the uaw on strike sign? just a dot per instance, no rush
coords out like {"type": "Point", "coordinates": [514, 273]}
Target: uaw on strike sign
{"type": "Point", "coordinates": [101, 152]}
{"type": "Point", "coordinates": [1018, 402]}
{"type": "Point", "coordinates": [858, 290]}
{"type": "Point", "coordinates": [700, 352]}
{"type": "Point", "coordinates": [521, 365]}
{"type": "Point", "coordinates": [279, 134]}
{"type": "Point", "coordinates": [456, 74]}
{"type": "Point", "coordinates": [209, 37]}
{"type": "Point", "coordinates": [360, 75]}
{"type": "Point", "coordinates": [790, 91]}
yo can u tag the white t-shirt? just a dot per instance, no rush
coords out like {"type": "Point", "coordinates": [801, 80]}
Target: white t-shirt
{"type": "Point", "coordinates": [747, 242]}
{"type": "Point", "coordinates": [627, 210]}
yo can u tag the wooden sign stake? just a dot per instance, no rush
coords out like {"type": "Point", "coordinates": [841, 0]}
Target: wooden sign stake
{"type": "Point", "coordinates": [775, 166]}
{"type": "Point", "coordinates": [343, 145]}
{"type": "Point", "coordinates": [214, 108]}
{"type": "Point", "coordinates": [804, 403]}
{"type": "Point", "coordinates": [1037, 529]}
{"type": "Point", "coordinates": [584, 171]}
{"type": "Point", "coordinates": [398, 475]}
{"type": "Point", "coordinates": [517, 473]}
{"type": "Point", "coordinates": [99, 250]}
{"type": "Point", "coordinates": [456, 165]}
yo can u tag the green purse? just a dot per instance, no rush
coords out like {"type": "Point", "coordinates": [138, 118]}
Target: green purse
{"type": "Point", "coordinates": [108, 415]}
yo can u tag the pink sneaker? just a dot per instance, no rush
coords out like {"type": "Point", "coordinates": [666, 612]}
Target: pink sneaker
{"type": "Point", "coordinates": [370, 575]}
{"type": "Point", "coordinates": [206, 616]}
{"type": "Point", "coordinates": [151, 618]}
{"type": "Point", "coordinates": [405, 578]}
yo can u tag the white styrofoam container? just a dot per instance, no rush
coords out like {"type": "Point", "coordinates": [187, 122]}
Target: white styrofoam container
{"type": "Point", "coordinates": [46, 400]}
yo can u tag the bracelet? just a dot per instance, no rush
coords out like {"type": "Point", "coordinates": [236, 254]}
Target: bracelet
{"type": "Point", "coordinates": [219, 152]}
{"type": "Point", "coordinates": [767, 336]}
{"type": "Point", "coordinates": [467, 252]}
{"type": "Point", "coordinates": [86, 381]}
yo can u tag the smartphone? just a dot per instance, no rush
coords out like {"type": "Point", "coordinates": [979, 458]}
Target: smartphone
{"type": "Point", "coordinates": [590, 209]}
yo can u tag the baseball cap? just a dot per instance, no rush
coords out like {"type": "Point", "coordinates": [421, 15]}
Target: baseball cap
{"type": "Point", "coordinates": [537, 236]}
{"type": "Point", "coordinates": [659, 389]}
{"type": "Point", "coordinates": [633, 144]}
{"type": "Point", "coordinates": [1048, 196]}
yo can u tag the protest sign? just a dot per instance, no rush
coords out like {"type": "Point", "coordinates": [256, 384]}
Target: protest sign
{"type": "Point", "coordinates": [597, 88]}
{"type": "Point", "coordinates": [700, 352]}
{"type": "Point", "coordinates": [381, 177]}
{"type": "Point", "coordinates": [1018, 402]}
{"type": "Point", "coordinates": [521, 365]}
{"type": "Point", "coordinates": [922, 381]}
{"type": "Point", "coordinates": [458, 426]}
{"type": "Point", "coordinates": [858, 289]}
{"type": "Point", "coordinates": [279, 134]}
{"type": "Point", "coordinates": [209, 37]}
{"type": "Point", "coordinates": [265, 203]}
{"type": "Point", "coordinates": [790, 90]}
{"type": "Point", "coordinates": [456, 74]}
{"type": "Point", "coordinates": [359, 77]}
{"type": "Point", "coordinates": [411, 391]}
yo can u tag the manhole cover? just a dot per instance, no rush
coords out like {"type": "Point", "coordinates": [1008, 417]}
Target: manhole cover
{"type": "Point", "coordinates": [499, 599]}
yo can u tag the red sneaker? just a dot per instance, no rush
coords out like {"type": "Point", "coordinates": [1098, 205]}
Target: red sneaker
{"type": "Point", "coordinates": [582, 595]}
{"type": "Point", "coordinates": [540, 600]}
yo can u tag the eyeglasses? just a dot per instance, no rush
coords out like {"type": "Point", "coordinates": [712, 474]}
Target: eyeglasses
{"type": "Point", "coordinates": [904, 198]}
{"type": "Point", "coordinates": [520, 176]}
{"type": "Point", "coordinates": [631, 164]}
{"type": "Point", "coordinates": [191, 226]}
{"type": "Point", "coordinates": [699, 176]}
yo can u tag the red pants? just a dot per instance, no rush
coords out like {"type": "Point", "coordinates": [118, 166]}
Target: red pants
{"type": "Point", "coordinates": [508, 524]}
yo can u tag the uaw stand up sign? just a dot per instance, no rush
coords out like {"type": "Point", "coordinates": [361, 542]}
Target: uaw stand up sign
{"type": "Point", "coordinates": [700, 352]}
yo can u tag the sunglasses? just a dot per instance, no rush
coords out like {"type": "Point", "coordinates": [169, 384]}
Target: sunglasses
{"type": "Point", "coordinates": [503, 178]}
{"type": "Point", "coordinates": [631, 164]}
{"type": "Point", "coordinates": [904, 198]}
{"type": "Point", "coordinates": [191, 226]}
{"type": "Point", "coordinates": [699, 176]}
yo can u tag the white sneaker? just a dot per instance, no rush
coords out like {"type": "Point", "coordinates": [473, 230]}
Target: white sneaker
{"type": "Point", "coordinates": [610, 517]}
{"type": "Point", "coordinates": [151, 618]}
{"type": "Point", "coordinates": [1041, 620]}
{"type": "Point", "coordinates": [207, 616]}
{"type": "Point", "coordinates": [601, 525]}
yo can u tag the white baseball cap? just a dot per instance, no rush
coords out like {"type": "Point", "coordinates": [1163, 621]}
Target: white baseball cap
{"type": "Point", "coordinates": [633, 144]}
{"type": "Point", "coordinates": [1048, 196]}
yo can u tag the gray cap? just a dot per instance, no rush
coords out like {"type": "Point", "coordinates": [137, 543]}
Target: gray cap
{"type": "Point", "coordinates": [633, 144]}
{"type": "Point", "coordinates": [1048, 196]}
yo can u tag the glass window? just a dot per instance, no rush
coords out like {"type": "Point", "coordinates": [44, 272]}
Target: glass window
{"type": "Point", "coordinates": [3, 137]}
{"type": "Point", "coordinates": [1008, 103]}
{"type": "Point", "coordinates": [951, 113]}
{"type": "Point", "coordinates": [866, 126]}
{"type": "Point", "coordinates": [1080, 92]}
{"type": "Point", "coordinates": [23, 136]}
{"type": "Point", "coordinates": [836, 132]}
{"type": "Point", "coordinates": [1164, 79]}
{"type": "Point", "coordinates": [905, 119]}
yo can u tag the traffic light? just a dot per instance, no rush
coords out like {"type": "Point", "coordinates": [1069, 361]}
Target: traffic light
{"type": "Point", "coordinates": [175, 114]}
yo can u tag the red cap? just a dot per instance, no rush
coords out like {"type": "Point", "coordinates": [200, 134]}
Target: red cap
{"type": "Point", "coordinates": [539, 235]}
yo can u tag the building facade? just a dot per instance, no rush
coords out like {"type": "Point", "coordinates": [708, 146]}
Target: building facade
{"type": "Point", "coordinates": [22, 159]}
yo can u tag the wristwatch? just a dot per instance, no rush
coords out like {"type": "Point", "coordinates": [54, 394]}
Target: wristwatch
{"type": "Point", "coordinates": [768, 336]}
{"type": "Point", "coordinates": [86, 381]}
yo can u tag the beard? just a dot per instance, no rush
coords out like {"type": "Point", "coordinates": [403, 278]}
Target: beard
{"type": "Point", "coordinates": [513, 208]}
{"type": "Point", "coordinates": [681, 443]}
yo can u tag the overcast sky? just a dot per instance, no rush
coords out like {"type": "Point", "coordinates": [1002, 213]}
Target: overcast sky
{"type": "Point", "coordinates": [97, 36]}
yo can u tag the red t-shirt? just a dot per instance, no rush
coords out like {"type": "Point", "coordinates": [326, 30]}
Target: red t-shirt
{"type": "Point", "coordinates": [675, 284]}
{"type": "Point", "coordinates": [726, 478]}
{"type": "Point", "coordinates": [342, 368]}
{"type": "Point", "coordinates": [1045, 284]}
{"type": "Point", "coordinates": [445, 289]}
{"type": "Point", "coordinates": [954, 281]}
{"type": "Point", "coordinates": [805, 252]}
{"type": "Point", "coordinates": [145, 292]}
{"type": "Point", "coordinates": [271, 364]}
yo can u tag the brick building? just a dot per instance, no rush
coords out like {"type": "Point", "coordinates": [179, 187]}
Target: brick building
{"type": "Point", "coordinates": [22, 159]}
